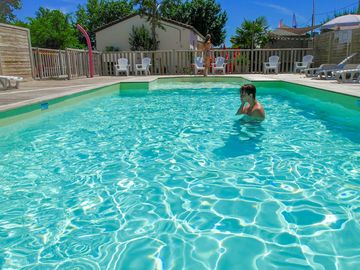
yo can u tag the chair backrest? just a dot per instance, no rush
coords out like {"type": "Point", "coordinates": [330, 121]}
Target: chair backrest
{"type": "Point", "coordinates": [273, 60]}
{"type": "Point", "coordinates": [123, 62]}
{"type": "Point", "coordinates": [146, 62]}
{"type": "Point", "coordinates": [343, 62]}
{"type": "Point", "coordinates": [307, 58]}
{"type": "Point", "coordinates": [219, 61]}
{"type": "Point", "coordinates": [199, 62]}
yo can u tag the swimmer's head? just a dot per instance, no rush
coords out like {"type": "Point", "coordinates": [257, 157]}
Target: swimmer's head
{"type": "Point", "coordinates": [248, 89]}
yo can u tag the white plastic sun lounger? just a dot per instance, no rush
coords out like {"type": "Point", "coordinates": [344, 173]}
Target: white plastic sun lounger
{"type": "Point", "coordinates": [314, 72]}
{"type": "Point", "coordinates": [329, 74]}
{"type": "Point", "coordinates": [5, 81]}
{"type": "Point", "coordinates": [348, 75]}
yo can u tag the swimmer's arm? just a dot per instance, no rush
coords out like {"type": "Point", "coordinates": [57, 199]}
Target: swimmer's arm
{"type": "Point", "coordinates": [241, 109]}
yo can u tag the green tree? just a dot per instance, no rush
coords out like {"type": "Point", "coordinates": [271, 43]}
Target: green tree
{"type": "Point", "coordinates": [96, 13]}
{"type": "Point", "coordinates": [52, 29]}
{"type": "Point", "coordinates": [251, 34]}
{"type": "Point", "coordinates": [172, 9]}
{"type": "Point", "coordinates": [206, 16]}
{"type": "Point", "coordinates": [20, 23]}
{"type": "Point", "coordinates": [150, 9]}
{"type": "Point", "coordinates": [140, 39]}
{"type": "Point", "coordinates": [7, 8]}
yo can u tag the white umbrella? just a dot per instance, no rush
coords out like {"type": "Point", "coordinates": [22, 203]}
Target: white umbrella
{"type": "Point", "coordinates": [345, 22]}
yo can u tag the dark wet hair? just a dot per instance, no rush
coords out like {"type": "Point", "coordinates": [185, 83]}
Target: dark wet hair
{"type": "Point", "coordinates": [248, 89]}
{"type": "Point", "coordinates": [207, 38]}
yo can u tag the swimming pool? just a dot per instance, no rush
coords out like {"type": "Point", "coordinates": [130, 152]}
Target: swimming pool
{"type": "Point", "coordinates": [169, 178]}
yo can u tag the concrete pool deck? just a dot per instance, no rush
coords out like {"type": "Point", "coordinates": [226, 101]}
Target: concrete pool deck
{"type": "Point", "coordinates": [36, 91]}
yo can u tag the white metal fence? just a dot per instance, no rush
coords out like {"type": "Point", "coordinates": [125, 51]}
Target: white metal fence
{"type": "Point", "coordinates": [71, 63]}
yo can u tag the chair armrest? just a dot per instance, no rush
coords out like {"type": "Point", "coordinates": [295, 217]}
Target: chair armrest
{"type": "Point", "coordinates": [138, 65]}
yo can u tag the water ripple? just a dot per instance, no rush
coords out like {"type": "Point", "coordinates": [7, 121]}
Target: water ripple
{"type": "Point", "coordinates": [164, 179]}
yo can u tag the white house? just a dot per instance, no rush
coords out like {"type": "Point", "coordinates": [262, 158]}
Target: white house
{"type": "Point", "coordinates": [175, 35]}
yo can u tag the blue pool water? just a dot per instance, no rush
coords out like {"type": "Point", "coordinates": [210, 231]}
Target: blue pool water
{"type": "Point", "coordinates": [169, 178]}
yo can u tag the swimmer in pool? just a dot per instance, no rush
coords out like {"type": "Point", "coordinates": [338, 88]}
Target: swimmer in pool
{"type": "Point", "coordinates": [250, 106]}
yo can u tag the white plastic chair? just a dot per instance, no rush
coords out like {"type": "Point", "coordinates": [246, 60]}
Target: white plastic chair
{"type": "Point", "coordinates": [273, 64]}
{"type": "Point", "coordinates": [348, 75]}
{"type": "Point", "coordinates": [199, 65]}
{"type": "Point", "coordinates": [5, 81]}
{"type": "Point", "coordinates": [144, 66]}
{"type": "Point", "coordinates": [304, 64]}
{"type": "Point", "coordinates": [122, 66]}
{"type": "Point", "coordinates": [219, 65]}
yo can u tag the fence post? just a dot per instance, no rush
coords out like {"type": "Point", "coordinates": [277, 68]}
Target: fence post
{"type": "Point", "coordinates": [173, 69]}
{"type": "Point", "coordinates": [330, 45]}
{"type": "Point", "coordinates": [61, 64]}
{"type": "Point", "coordinates": [252, 61]}
{"type": "Point", "coordinates": [99, 64]}
{"type": "Point", "coordinates": [67, 60]}
{"type": "Point", "coordinates": [40, 66]}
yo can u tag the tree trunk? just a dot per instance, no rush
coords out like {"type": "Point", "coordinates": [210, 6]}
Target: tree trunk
{"type": "Point", "coordinates": [153, 33]}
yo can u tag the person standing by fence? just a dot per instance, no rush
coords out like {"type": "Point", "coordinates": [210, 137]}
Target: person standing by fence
{"type": "Point", "coordinates": [207, 53]}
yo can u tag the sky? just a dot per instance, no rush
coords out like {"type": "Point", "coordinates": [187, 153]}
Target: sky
{"type": "Point", "coordinates": [237, 10]}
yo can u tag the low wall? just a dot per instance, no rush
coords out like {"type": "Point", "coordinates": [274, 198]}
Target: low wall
{"type": "Point", "coordinates": [15, 51]}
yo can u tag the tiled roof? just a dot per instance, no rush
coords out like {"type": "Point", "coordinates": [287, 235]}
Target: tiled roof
{"type": "Point", "coordinates": [162, 19]}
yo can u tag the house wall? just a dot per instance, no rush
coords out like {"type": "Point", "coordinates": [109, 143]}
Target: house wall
{"type": "Point", "coordinates": [173, 37]}
{"type": "Point", "coordinates": [15, 51]}
{"type": "Point", "coordinates": [331, 48]}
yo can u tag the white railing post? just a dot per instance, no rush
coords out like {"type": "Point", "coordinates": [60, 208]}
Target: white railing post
{"type": "Point", "coordinates": [40, 64]}
{"type": "Point", "coordinates": [68, 66]}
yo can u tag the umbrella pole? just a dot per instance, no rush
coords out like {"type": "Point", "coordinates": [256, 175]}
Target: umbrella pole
{"type": "Point", "coordinates": [313, 19]}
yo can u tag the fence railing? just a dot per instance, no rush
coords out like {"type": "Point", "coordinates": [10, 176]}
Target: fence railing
{"type": "Point", "coordinates": [73, 63]}
{"type": "Point", "coordinates": [68, 63]}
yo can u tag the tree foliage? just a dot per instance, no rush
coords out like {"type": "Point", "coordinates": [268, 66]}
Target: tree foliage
{"type": "Point", "coordinates": [96, 13]}
{"type": "Point", "coordinates": [7, 8]}
{"type": "Point", "coordinates": [150, 8]}
{"type": "Point", "coordinates": [52, 29]}
{"type": "Point", "coordinates": [140, 39]}
{"type": "Point", "coordinates": [172, 9]}
{"type": "Point", "coordinates": [206, 16]}
{"type": "Point", "coordinates": [251, 34]}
